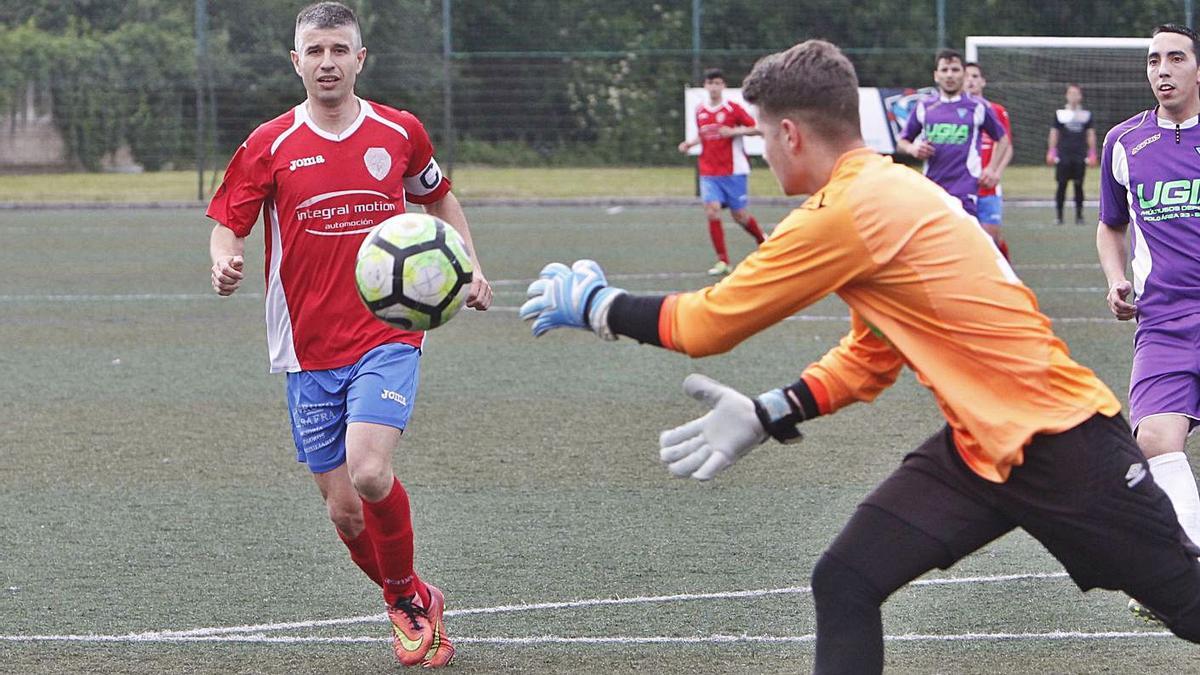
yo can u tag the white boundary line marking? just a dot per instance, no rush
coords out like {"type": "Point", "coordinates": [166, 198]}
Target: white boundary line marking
{"type": "Point", "coordinates": [254, 633]}
{"type": "Point", "coordinates": [589, 640]}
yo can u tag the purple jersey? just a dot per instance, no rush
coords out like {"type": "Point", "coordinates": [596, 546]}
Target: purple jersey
{"type": "Point", "coordinates": [1150, 176]}
{"type": "Point", "coordinates": [952, 125]}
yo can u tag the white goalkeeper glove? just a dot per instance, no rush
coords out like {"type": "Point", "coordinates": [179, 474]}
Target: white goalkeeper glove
{"type": "Point", "coordinates": [707, 445]}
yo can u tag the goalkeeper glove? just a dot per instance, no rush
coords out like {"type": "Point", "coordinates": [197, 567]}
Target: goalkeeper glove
{"type": "Point", "coordinates": [575, 297]}
{"type": "Point", "coordinates": [736, 424]}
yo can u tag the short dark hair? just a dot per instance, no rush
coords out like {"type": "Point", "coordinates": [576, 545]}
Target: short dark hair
{"type": "Point", "coordinates": [713, 74]}
{"type": "Point", "coordinates": [1181, 30]}
{"type": "Point", "coordinates": [814, 81]}
{"type": "Point", "coordinates": [976, 66]}
{"type": "Point", "coordinates": [328, 15]}
{"type": "Point", "coordinates": [947, 55]}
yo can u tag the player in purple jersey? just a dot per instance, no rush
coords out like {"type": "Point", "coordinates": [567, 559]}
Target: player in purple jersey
{"type": "Point", "coordinates": [1150, 178]}
{"type": "Point", "coordinates": [944, 131]}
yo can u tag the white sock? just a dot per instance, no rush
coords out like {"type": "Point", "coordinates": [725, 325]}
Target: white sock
{"type": "Point", "coordinates": [1174, 475]}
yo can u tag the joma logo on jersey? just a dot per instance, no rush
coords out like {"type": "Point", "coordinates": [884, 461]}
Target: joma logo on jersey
{"type": "Point", "coordinates": [1170, 193]}
{"type": "Point", "coordinates": [947, 133]}
{"type": "Point", "coordinates": [396, 396]}
{"type": "Point", "coordinates": [306, 161]}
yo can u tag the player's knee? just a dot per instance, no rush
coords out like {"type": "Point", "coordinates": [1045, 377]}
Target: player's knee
{"type": "Point", "coordinates": [372, 479]}
{"type": "Point", "coordinates": [833, 581]}
{"type": "Point", "coordinates": [346, 516]}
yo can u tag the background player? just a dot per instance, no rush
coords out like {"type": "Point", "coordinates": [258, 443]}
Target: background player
{"type": "Point", "coordinates": [1149, 175]}
{"type": "Point", "coordinates": [991, 199]}
{"type": "Point", "coordinates": [944, 131]}
{"type": "Point", "coordinates": [351, 379]}
{"type": "Point", "coordinates": [724, 167]}
{"type": "Point", "coordinates": [1070, 147]}
{"type": "Point", "coordinates": [1032, 440]}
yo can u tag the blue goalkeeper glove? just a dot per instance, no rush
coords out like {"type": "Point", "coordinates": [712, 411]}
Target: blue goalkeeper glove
{"type": "Point", "coordinates": [575, 297]}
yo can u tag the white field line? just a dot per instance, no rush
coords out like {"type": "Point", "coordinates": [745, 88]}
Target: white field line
{"type": "Point", "coordinates": [136, 297]}
{"type": "Point", "coordinates": [589, 640]}
{"type": "Point", "coordinates": [531, 607]}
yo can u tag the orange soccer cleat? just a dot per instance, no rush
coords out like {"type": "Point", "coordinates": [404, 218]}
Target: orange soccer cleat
{"type": "Point", "coordinates": [412, 631]}
{"type": "Point", "coordinates": [441, 652]}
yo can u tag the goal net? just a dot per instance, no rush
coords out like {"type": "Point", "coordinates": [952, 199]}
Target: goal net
{"type": "Point", "coordinates": [1029, 75]}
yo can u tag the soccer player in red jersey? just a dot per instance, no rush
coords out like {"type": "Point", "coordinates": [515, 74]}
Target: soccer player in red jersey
{"type": "Point", "coordinates": [1032, 439]}
{"type": "Point", "coordinates": [724, 167]}
{"type": "Point", "coordinates": [991, 197]}
{"type": "Point", "coordinates": [322, 175]}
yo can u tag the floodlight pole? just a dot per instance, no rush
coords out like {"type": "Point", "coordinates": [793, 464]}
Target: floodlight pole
{"type": "Point", "coordinates": [201, 73]}
{"type": "Point", "coordinates": [1187, 13]}
{"type": "Point", "coordinates": [941, 24]}
{"type": "Point", "coordinates": [447, 89]}
{"type": "Point", "coordinates": [697, 8]}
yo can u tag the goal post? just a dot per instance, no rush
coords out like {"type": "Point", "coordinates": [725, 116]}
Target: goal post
{"type": "Point", "coordinates": [1029, 76]}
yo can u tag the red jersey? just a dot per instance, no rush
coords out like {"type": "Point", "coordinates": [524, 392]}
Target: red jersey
{"type": "Point", "coordinates": [986, 143]}
{"type": "Point", "coordinates": [319, 194]}
{"type": "Point", "coordinates": [722, 156]}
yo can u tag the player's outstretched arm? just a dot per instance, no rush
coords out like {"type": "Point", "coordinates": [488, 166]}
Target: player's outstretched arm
{"type": "Point", "coordinates": [570, 297]}
{"type": "Point", "coordinates": [226, 251]}
{"type": "Point", "coordinates": [734, 426]}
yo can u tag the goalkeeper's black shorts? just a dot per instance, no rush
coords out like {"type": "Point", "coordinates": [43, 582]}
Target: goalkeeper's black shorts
{"type": "Point", "coordinates": [1086, 494]}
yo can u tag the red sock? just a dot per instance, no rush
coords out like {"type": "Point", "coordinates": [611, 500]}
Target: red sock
{"type": "Point", "coordinates": [1003, 246]}
{"type": "Point", "coordinates": [362, 552]}
{"type": "Point", "coordinates": [389, 523]}
{"type": "Point", "coordinates": [717, 233]}
{"type": "Point", "coordinates": [755, 231]}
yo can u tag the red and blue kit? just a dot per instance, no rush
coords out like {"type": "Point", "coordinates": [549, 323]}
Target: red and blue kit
{"type": "Point", "coordinates": [720, 156]}
{"type": "Point", "coordinates": [319, 194]}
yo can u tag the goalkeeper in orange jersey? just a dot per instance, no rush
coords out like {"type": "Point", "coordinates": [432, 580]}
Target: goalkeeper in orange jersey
{"type": "Point", "coordinates": [1032, 439]}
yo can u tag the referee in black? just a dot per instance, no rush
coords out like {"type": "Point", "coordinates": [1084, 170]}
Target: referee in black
{"type": "Point", "coordinates": [1070, 148]}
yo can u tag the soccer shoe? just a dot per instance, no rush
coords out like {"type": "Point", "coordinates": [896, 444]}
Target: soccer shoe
{"type": "Point", "coordinates": [441, 652]}
{"type": "Point", "coordinates": [720, 269]}
{"type": "Point", "coordinates": [1144, 613]}
{"type": "Point", "coordinates": [412, 629]}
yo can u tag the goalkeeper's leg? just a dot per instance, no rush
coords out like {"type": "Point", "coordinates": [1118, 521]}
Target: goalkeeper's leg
{"type": "Point", "coordinates": [913, 522]}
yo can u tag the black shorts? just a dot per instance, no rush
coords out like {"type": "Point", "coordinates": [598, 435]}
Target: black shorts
{"type": "Point", "coordinates": [1069, 169]}
{"type": "Point", "coordinates": [1086, 494]}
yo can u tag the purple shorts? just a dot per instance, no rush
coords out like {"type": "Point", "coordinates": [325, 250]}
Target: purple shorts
{"type": "Point", "coordinates": [1166, 370]}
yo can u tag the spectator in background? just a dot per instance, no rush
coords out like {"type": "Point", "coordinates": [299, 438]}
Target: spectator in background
{"type": "Point", "coordinates": [724, 167]}
{"type": "Point", "coordinates": [1071, 147]}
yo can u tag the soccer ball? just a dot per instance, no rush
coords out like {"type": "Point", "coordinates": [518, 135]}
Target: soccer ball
{"type": "Point", "coordinates": [412, 271]}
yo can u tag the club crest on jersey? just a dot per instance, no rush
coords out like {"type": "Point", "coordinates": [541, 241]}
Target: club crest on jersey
{"type": "Point", "coordinates": [962, 113]}
{"type": "Point", "coordinates": [378, 162]}
{"type": "Point", "coordinates": [720, 117]}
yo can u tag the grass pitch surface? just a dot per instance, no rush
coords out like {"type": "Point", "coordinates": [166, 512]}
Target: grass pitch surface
{"type": "Point", "coordinates": [156, 521]}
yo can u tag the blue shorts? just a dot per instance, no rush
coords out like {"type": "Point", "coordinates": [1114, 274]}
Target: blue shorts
{"type": "Point", "coordinates": [380, 388]}
{"type": "Point", "coordinates": [991, 210]}
{"type": "Point", "coordinates": [729, 191]}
